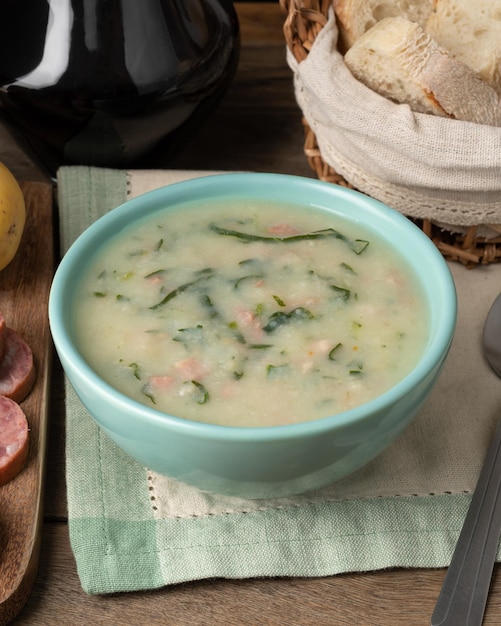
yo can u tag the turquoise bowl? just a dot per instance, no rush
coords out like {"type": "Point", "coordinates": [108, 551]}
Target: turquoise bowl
{"type": "Point", "coordinates": [267, 461]}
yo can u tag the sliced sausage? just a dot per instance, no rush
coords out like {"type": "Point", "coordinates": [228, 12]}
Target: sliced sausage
{"type": "Point", "coordinates": [17, 370]}
{"type": "Point", "coordinates": [14, 442]}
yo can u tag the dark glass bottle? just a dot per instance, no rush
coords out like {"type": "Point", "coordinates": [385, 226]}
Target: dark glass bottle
{"type": "Point", "coordinates": [112, 83]}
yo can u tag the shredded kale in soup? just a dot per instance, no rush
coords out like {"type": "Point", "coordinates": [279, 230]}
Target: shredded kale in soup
{"type": "Point", "coordinates": [249, 314]}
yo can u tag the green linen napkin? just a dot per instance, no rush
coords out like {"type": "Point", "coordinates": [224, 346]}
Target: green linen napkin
{"type": "Point", "coordinates": [132, 529]}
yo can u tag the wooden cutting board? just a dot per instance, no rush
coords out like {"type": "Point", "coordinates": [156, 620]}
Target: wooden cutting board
{"type": "Point", "coordinates": [24, 292]}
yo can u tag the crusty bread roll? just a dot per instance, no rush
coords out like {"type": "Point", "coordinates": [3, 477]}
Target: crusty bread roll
{"type": "Point", "coordinates": [400, 61]}
{"type": "Point", "coordinates": [472, 32]}
{"type": "Point", "coordinates": [355, 17]}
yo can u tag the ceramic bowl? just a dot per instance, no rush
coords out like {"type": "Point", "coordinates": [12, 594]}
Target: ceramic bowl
{"type": "Point", "coordinates": [258, 462]}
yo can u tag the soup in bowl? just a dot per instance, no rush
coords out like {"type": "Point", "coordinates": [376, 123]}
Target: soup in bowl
{"type": "Point", "coordinates": [256, 335]}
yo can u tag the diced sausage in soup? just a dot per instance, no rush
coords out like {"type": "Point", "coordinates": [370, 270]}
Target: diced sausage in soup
{"type": "Point", "coordinates": [247, 314]}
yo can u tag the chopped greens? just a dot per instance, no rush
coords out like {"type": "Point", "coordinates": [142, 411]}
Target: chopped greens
{"type": "Point", "coordinates": [135, 370]}
{"type": "Point", "coordinates": [355, 368]}
{"type": "Point", "coordinates": [145, 390]}
{"type": "Point", "coordinates": [269, 316]}
{"type": "Point", "coordinates": [357, 245]}
{"type": "Point", "coordinates": [155, 273]}
{"type": "Point", "coordinates": [239, 281]}
{"type": "Point", "coordinates": [189, 336]}
{"type": "Point", "coordinates": [179, 290]}
{"type": "Point", "coordinates": [202, 395]}
{"type": "Point", "coordinates": [332, 352]}
{"type": "Point", "coordinates": [343, 293]}
{"type": "Point", "coordinates": [277, 371]}
{"type": "Point", "coordinates": [279, 318]}
{"type": "Point", "coordinates": [208, 304]}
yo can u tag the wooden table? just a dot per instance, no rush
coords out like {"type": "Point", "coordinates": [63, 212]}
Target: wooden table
{"type": "Point", "coordinates": [256, 127]}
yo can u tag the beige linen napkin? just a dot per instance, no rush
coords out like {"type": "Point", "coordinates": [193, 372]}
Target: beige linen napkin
{"type": "Point", "coordinates": [422, 165]}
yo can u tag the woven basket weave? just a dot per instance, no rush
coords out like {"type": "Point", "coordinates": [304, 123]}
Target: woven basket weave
{"type": "Point", "coordinates": [304, 20]}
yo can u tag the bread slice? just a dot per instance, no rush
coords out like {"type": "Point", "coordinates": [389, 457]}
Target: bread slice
{"type": "Point", "coordinates": [355, 17]}
{"type": "Point", "coordinates": [400, 61]}
{"type": "Point", "coordinates": [472, 32]}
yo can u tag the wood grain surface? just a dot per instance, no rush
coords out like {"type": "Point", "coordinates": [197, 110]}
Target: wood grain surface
{"type": "Point", "coordinates": [24, 289]}
{"type": "Point", "coordinates": [256, 127]}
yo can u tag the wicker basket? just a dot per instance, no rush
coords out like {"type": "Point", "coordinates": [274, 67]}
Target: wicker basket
{"type": "Point", "coordinates": [303, 22]}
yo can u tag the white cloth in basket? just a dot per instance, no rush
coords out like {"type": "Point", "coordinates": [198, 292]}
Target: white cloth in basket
{"type": "Point", "coordinates": [422, 165]}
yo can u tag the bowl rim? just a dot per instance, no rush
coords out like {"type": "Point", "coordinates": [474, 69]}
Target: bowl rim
{"type": "Point", "coordinates": [233, 184]}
